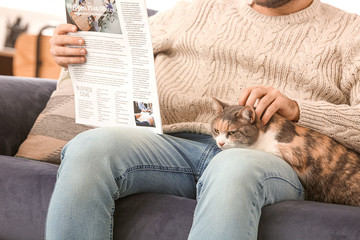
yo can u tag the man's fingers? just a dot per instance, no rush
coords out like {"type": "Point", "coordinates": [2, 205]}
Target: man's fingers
{"type": "Point", "coordinates": [264, 103]}
{"type": "Point", "coordinates": [270, 111]}
{"type": "Point", "coordinates": [64, 29]}
{"type": "Point", "coordinates": [245, 95]}
{"type": "Point", "coordinates": [66, 40]}
{"type": "Point", "coordinates": [256, 93]}
{"type": "Point", "coordinates": [64, 61]}
{"type": "Point", "coordinates": [270, 101]}
{"type": "Point", "coordinates": [67, 51]}
{"type": "Point", "coordinates": [59, 46]}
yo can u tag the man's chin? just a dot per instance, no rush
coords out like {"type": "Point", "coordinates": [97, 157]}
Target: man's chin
{"type": "Point", "coordinates": [271, 3]}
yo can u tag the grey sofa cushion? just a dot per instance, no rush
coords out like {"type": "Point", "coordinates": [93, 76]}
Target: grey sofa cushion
{"type": "Point", "coordinates": [25, 190]}
{"type": "Point", "coordinates": [153, 216]}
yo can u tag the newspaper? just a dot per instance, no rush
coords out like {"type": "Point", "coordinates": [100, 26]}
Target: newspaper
{"type": "Point", "coordinates": [116, 86]}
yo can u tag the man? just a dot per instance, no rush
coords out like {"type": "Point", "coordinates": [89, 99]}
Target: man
{"type": "Point", "coordinates": [299, 58]}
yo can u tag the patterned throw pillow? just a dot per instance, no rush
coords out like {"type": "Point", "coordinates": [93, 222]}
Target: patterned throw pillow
{"type": "Point", "coordinates": [55, 125]}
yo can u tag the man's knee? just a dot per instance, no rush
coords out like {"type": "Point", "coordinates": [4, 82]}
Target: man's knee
{"type": "Point", "coordinates": [101, 142]}
{"type": "Point", "coordinates": [237, 165]}
{"type": "Point", "coordinates": [249, 172]}
{"type": "Point", "coordinates": [98, 150]}
{"type": "Point", "coordinates": [231, 171]}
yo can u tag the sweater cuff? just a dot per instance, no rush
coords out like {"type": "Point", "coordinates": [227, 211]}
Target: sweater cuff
{"type": "Point", "coordinates": [64, 74]}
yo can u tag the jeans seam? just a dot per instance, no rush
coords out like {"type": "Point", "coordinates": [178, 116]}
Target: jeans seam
{"type": "Point", "coordinates": [199, 188]}
{"type": "Point", "coordinates": [60, 166]}
{"type": "Point", "coordinates": [300, 190]}
{"type": "Point", "coordinates": [186, 159]}
{"type": "Point", "coordinates": [112, 221]}
{"type": "Point", "coordinates": [209, 149]}
{"type": "Point", "coordinates": [154, 168]}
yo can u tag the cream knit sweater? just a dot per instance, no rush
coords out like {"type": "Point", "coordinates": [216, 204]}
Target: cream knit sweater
{"type": "Point", "coordinates": [206, 48]}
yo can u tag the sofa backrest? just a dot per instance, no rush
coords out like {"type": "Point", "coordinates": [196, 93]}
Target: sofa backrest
{"type": "Point", "coordinates": [21, 101]}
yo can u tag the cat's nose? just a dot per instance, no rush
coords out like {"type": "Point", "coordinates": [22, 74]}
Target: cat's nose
{"type": "Point", "coordinates": [221, 144]}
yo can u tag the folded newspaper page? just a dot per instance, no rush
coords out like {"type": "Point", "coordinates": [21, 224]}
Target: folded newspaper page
{"type": "Point", "coordinates": [116, 86]}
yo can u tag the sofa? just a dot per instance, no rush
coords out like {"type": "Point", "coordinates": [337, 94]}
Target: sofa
{"type": "Point", "coordinates": [26, 186]}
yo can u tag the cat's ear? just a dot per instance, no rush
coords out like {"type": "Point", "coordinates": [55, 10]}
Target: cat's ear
{"type": "Point", "coordinates": [248, 113]}
{"type": "Point", "coordinates": [219, 105]}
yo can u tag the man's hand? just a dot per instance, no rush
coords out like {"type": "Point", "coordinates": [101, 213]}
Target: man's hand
{"type": "Point", "coordinates": [62, 54]}
{"type": "Point", "coordinates": [270, 101]}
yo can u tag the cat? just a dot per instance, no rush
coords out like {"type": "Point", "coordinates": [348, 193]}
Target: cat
{"type": "Point", "coordinates": [328, 171]}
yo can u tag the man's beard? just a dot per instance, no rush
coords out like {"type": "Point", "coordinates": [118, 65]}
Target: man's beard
{"type": "Point", "coordinates": [271, 3]}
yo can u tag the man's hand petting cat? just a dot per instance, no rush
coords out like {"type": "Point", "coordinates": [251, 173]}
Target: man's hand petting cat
{"type": "Point", "coordinates": [64, 55]}
{"type": "Point", "coordinates": [270, 101]}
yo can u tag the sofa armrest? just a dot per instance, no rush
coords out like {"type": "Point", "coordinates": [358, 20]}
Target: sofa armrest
{"type": "Point", "coordinates": [21, 101]}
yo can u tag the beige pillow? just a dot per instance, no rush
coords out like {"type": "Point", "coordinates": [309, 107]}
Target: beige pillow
{"type": "Point", "coordinates": [55, 125]}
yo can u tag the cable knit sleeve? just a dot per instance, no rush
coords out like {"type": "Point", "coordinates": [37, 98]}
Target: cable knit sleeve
{"type": "Point", "coordinates": [340, 122]}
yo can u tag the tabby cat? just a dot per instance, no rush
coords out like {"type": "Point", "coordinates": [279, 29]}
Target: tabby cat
{"type": "Point", "coordinates": [328, 171]}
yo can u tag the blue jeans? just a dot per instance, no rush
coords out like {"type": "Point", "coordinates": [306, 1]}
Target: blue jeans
{"type": "Point", "coordinates": [104, 164]}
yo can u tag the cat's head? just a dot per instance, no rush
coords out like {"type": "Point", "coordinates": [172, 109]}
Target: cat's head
{"type": "Point", "coordinates": [234, 125]}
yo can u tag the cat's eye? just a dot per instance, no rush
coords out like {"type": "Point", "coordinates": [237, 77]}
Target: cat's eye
{"type": "Point", "coordinates": [231, 133]}
{"type": "Point", "coordinates": [216, 131]}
